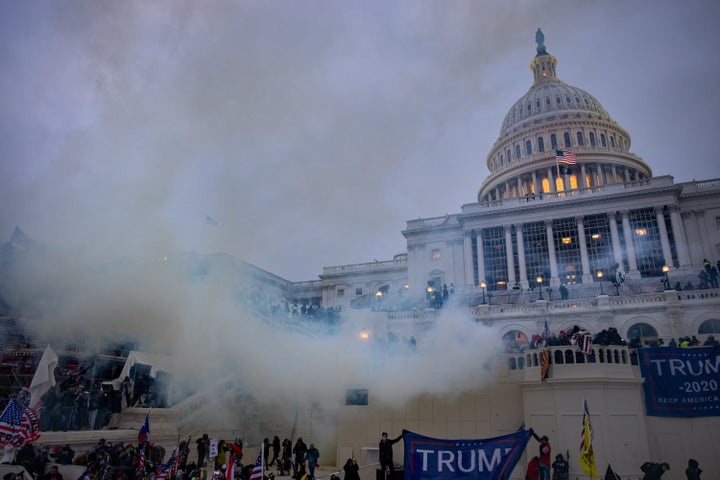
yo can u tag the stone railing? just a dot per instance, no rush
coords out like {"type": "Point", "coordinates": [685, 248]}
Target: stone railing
{"type": "Point", "coordinates": [365, 267]}
{"type": "Point", "coordinates": [568, 362]}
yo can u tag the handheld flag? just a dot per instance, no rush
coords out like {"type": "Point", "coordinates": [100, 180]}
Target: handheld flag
{"type": "Point", "coordinates": [257, 470]}
{"type": "Point", "coordinates": [19, 424]}
{"type": "Point", "coordinates": [587, 456]}
{"type": "Point", "coordinates": [44, 377]}
{"type": "Point", "coordinates": [544, 365]}
{"type": "Point", "coordinates": [144, 433]}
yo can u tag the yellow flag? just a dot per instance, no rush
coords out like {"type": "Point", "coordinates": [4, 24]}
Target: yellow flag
{"type": "Point", "coordinates": [587, 456]}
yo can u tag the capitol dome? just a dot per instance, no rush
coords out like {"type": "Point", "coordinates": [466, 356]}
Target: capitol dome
{"type": "Point", "coordinates": [554, 116]}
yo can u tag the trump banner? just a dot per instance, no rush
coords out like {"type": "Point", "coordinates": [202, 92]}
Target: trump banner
{"type": "Point", "coordinates": [483, 459]}
{"type": "Point", "coordinates": [681, 382]}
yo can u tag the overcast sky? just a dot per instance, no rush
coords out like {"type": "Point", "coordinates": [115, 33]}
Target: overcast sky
{"type": "Point", "coordinates": [301, 134]}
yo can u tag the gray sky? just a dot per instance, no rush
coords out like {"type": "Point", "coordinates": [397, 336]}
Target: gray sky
{"type": "Point", "coordinates": [310, 131]}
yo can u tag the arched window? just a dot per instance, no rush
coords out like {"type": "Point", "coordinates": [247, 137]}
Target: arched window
{"type": "Point", "coordinates": [709, 326]}
{"type": "Point", "coordinates": [558, 100]}
{"type": "Point", "coordinates": [612, 141]}
{"type": "Point", "coordinates": [528, 147]}
{"type": "Point", "coordinates": [603, 142]}
{"type": "Point", "coordinates": [529, 106]}
{"type": "Point", "coordinates": [541, 144]}
{"type": "Point", "coordinates": [502, 160]}
{"type": "Point", "coordinates": [566, 137]}
{"type": "Point", "coordinates": [507, 155]}
{"type": "Point", "coordinates": [559, 184]}
{"type": "Point", "coordinates": [644, 332]}
{"type": "Point", "coordinates": [545, 185]}
{"type": "Point", "coordinates": [553, 141]}
{"type": "Point", "coordinates": [517, 152]}
{"type": "Point", "coordinates": [573, 182]}
{"type": "Point", "coordinates": [547, 101]}
{"type": "Point", "coordinates": [537, 104]}
{"type": "Point", "coordinates": [592, 139]}
{"type": "Point", "coordinates": [580, 139]}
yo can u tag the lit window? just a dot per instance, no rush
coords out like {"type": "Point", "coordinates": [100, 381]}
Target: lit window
{"type": "Point", "coordinates": [596, 236]}
{"type": "Point", "coordinates": [640, 232]}
{"type": "Point", "coordinates": [435, 254]}
{"type": "Point", "coordinates": [566, 240]}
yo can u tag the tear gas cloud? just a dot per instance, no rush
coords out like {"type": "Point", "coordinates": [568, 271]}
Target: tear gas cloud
{"type": "Point", "coordinates": [209, 334]}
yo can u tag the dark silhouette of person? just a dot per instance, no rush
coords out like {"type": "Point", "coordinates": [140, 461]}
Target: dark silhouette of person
{"type": "Point", "coordinates": [693, 471]}
{"type": "Point", "coordinates": [385, 451]}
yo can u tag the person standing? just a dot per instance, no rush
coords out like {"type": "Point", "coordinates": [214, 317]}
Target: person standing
{"type": "Point", "coordinates": [299, 451]}
{"type": "Point", "coordinates": [545, 451]}
{"type": "Point", "coordinates": [275, 450]}
{"type": "Point", "coordinates": [352, 469]}
{"type": "Point", "coordinates": [533, 469]}
{"type": "Point", "coordinates": [312, 456]}
{"type": "Point", "coordinates": [203, 445]}
{"type": "Point", "coordinates": [560, 468]}
{"type": "Point", "coordinates": [385, 451]}
{"type": "Point", "coordinates": [693, 470]}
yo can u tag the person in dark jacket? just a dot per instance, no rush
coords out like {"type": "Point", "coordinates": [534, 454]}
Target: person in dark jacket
{"type": "Point", "coordinates": [352, 469]}
{"type": "Point", "coordinates": [385, 451]}
{"type": "Point", "coordinates": [693, 470]}
{"type": "Point", "coordinates": [654, 471]}
{"type": "Point", "coordinates": [560, 468]}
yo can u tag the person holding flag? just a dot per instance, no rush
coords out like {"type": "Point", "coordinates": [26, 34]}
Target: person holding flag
{"type": "Point", "coordinates": [257, 470]}
{"type": "Point", "coordinates": [545, 451]}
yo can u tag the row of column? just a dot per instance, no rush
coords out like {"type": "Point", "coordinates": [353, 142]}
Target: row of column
{"type": "Point", "coordinates": [587, 276]}
{"type": "Point", "coordinates": [599, 174]}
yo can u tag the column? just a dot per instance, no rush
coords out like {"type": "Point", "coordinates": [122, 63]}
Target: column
{"type": "Point", "coordinates": [521, 256]}
{"type": "Point", "coordinates": [615, 238]}
{"type": "Point", "coordinates": [537, 189]}
{"type": "Point", "coordinates": [551, 180]}
{"type": "Point", "coordinates": [519, 187]}
{"type": "Point", "coordinates": [551, 251]}
{"type": "Point", "coordinates": [509, 255]}
{"type": "Point", "coordinates": [507, 190]}
{"type": "Point", "coordinates": [583, 180]}
{"type": "Point", "coordinates": [629, 246]}
{"type": "Point", "coordinates": [678, 229]}
{"type": "Point", "coordinates": [702, 228]}
{"type": "Point", "coordinates": [584, 260]}
{"type": "Point", "coordinates": [600, 174]}
{"type": "Point", "coordinates": [664, 241]}
{"type": "Point", "coordinates": [614, 174]}
{"type": "Point", "coordinates": [467, 251]}
{"type": "Point", "coordinates": [480, 248]}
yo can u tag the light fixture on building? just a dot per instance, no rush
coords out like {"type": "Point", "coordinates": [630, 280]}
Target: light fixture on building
{"type": "Point", "coordinates": [566, 240]}
{"type": "Point", "coordinates": [483, 285]}
{"type": "Point", "coordinates": [640, 232]}
{"type": "Point", "coordinates": [596, 236]}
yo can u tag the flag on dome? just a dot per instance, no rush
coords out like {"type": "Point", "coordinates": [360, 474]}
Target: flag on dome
{"type": "Point", "coordinates": [566, 157]}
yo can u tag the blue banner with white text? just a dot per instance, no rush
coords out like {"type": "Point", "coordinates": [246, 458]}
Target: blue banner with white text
{"type": "Point", "coordinates": [681, 382]}
{"type": "Point", "coordinates": [483, 459]}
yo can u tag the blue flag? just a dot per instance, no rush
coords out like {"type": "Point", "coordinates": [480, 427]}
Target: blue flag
{"type": "Point", "coordinates": [481, 459]}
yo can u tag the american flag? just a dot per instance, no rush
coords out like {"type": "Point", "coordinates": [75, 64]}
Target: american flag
{"type": "Point", "coordinates": [257, 470]}
{"type": "Point", "coordinates": [18, 426]}
{"type": "Point", "coordinates": [163, 471]}
{"type": "Point", "coordinates": [566, 157]}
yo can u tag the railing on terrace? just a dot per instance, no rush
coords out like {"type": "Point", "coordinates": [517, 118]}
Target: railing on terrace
{"type": "Point", "coordinates": [571, 355]}
{"type": "Point", "coordinates": [611, 188]}
{"type": "Point", "coordinates": [364, 267]}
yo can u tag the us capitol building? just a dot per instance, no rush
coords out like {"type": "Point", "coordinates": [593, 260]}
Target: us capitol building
{"type": "Point", "coordinates": [595, 241]}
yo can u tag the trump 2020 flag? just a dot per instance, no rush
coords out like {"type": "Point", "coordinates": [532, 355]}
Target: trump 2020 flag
{"type": "Point", "coordinates": [478, 459]}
